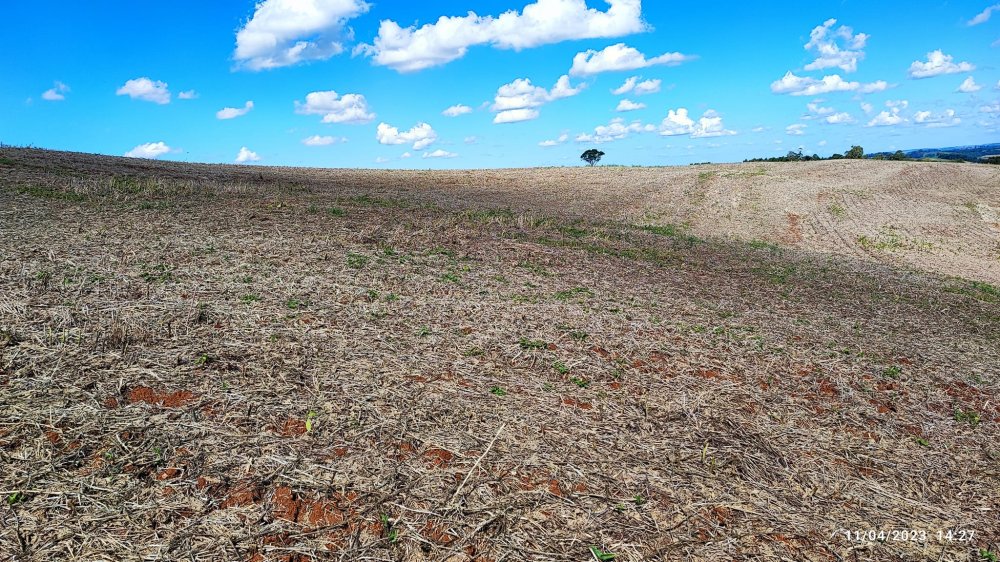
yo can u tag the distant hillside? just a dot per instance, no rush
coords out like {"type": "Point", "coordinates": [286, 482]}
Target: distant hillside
{"type": "Point", "coordinates": [972, 153]}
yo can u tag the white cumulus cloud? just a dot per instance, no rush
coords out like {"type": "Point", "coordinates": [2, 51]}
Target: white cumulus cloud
{"type": "Point", "coordinates": [617, 129]}
{"type": "Point", "coordinates": [349, 108]}
{"type": "Point", "coordinates": [421, 135]}
{"type": "Point", "coordinates": [620, 57]}
{"type": "Point", "coordinates": [519, 100]}
{"type": "Point", "coordinates": [806, 86]}
{"type": "Point", "coordinates": [562, 138]}
{"type": "Point", "coordinates": [317, 140]}
{"type": "Point", "coordinates": [633, 86]}
{"type": "Point", "coordinates": [984, 16]}
{"type": "Point", "coordinates": [835, 48]}
{"type": "Point", "coordinates": [145, 89]}
{"type": "Point", "coordinates": [150, 150]}
{"type": "Point", "coordinates": [930, 119]}
{"type": "Point", "coordinates": [288, 32]}
{"type": "Point", "coordinates": [234, 112]}
{"type": "Point", "coordinates": [56, 93]}
{"type": "Point", "coordinates": [839, 118]}
{"type": "Point", "coordinates": [515, 116]}
{"type": "Point", "coordinates": [539, 23]}
{"type": "Point", "coordinates": [993, 108]}
{"type": "Point", "coordinates": [456, 110]}
{"type": "Point", "coordinates": [246, 155]}
{"type": "Point", "coordinates": [938, 64]}
{"type": "Point", "coordinates": [187, 95]}
{"type": "Point", "coordinates": [629, 105]}
{"type": "Point", "coordinates": [678, 122]}
{"type": "Point", "coordinates": [439, 154]}
{"type": "Point", "coordinates": [969, 86]}
{"type": "Point", "coordinates": [797, 129]}
{"type": "Point", "coordinates": [887, 119]}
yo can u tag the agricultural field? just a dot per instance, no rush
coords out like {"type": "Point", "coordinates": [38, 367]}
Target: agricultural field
{"type": "Point", "coordinates": [781, 361]}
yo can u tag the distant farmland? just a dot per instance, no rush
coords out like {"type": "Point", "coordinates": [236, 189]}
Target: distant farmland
{"type": "Point", "coordinates": [716, 362]}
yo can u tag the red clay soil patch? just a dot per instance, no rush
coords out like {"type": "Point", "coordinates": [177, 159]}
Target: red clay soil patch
{"type": "Point", "coordinates": [827, 388]}
{"type": "Point", "coordinates": [438, 458]}
{"type": "Point", "coordinates": [293, 428]}
{"type": "Point", "coordinates": [165, 399]}
{"type": "Point", "coordinates": [52, 437]}
{"type": "Point", "coordinates": [110, 402]}
{"type": "Point", "coordinates": [554, 488]}
{"type": "Point", "coordinates": [242, 494]}
{"type": "Point", "coordinates": [169, 473]}
{"type": "Point", "coordinates": [407, 451]}
{"type": "Point", "coordinates": [312, 513]}
{"type": "Point", "coordinates": [577, 404]}
{"type": "Point", "coordinates": [602, 353]}
{"type": "Point", "coordinates": [794, 233]}
{"type": "Point", "coordinates": [437, 533]}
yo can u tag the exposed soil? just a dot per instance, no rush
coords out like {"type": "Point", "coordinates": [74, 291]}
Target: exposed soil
{"type": "Point", "coordinates": [253, 364]}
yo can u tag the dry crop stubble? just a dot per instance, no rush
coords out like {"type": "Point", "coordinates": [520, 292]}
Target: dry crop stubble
{"type": "Point", "coordinates": [203, 362]}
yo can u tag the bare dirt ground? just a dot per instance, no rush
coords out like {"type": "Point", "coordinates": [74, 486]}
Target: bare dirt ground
{"type": "Point", "coordinates": [737, 362]}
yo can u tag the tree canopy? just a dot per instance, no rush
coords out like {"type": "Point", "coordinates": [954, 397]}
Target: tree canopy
{"type": "Point", "coordinates": [592, 156]}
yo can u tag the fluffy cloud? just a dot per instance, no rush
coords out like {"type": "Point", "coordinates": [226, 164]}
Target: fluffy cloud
{"type": "Point", "coordinates": [969, 86]}
{"type": "Point", "coordinates": [421, 136]}
{"type": "Point", "coordinates": [349, 108]}
{"type": "Point", "coordinates": [317, 140]}
{"type": "Point", "coordinates": [145, 89]}
{"type": "Point", "coordinates": [456, 110]}
{"type": "Point", "coordinates": [887, 119]}
{"type": "Point", "coordinates": [797, 129]}
{"type": "Point", "coordinates": [839, 118]}
{"type": "Point", "coordinates": [867, 107]}
{"type": "Point", "coordinates": [835, 48]}
{"type": "Point", "coordinates": [929, 119]}
{"type": "Point", "coordinates": [677, 122]}
{"type": "Point", "coordinates": [632, 85]}
{"type": "Point", "coordinates": [519, 100]}
{"type": "Point", "coordinates": [187, 95]}
{"type": "Point", "coordinates": [562, 138]}
{"type": "Point", "coordinates": [806, 86]}
{"type": "Point", "coordinates": [816, 110]}
{"type": "Point", "coordinates": [246, 155]}
{"type": "Point", "coordinates": [984, 16]}
{"type": "Point", "coordinates": [629, 105]}
{"type": "Point", "coordinates": [439, 154]}
{"type": "Point", "coordinates": [150, 150]}
{"type": "Point", "coordinates": [287, 32]}
{"type": "Point", "coordinates": [937, 64]}
{"type": "Point", "coordinates": [515, 116]}
{"type": "Point", "coordinates": [620, 57]}
{"type": "Point", "coordinates": [993, 108]}
{"type": "Point", "coordinates": [542, 22]}
{"type": "Point", "coordinates": [615, 130]}
{"type": "Point", "coordinates": [233, 112]}
{"type": "Point", "coordinates": [901, 104]}
{"type": "Point", "coordinates": [56, 93]}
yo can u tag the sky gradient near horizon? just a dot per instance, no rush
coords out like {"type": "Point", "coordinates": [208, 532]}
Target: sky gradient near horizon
{"type": "Point", "coordinates": [496, 83]}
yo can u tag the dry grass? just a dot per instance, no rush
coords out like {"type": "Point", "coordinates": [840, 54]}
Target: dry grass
{"type": "Point", "coordinates": [227, 363]}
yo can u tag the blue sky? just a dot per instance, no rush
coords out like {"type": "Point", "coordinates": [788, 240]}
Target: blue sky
{"type": "Point", "coordinates": [349, 83]}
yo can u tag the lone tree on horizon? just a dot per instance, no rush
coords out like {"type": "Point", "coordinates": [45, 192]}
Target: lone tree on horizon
{"type": "Point", "coordinates": [855, 153]}
{"type": "Point", "coordinates": [592, 156]}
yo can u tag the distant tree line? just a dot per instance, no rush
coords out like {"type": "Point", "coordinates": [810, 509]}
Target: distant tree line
{"type": "Point", "coordinates": [983, 154]}
{"type": "Point", "coordinates": [854, 153]}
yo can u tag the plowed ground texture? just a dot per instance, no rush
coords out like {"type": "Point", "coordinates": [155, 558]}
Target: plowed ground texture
{"type": "Point", "coordinates": [253, 364]}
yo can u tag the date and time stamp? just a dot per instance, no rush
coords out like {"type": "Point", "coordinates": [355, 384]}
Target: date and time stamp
{"type": "Point", "coordinates": [921, 536]}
